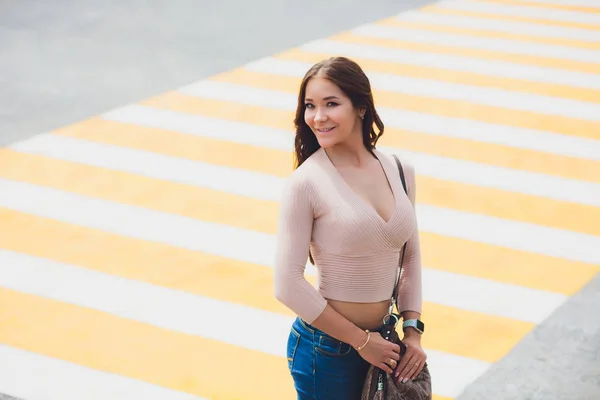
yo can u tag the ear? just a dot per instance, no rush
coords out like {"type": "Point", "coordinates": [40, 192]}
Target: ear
{"type": "Point", "coordinates": [361, 112]}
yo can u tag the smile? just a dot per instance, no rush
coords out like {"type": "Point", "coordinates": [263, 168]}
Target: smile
{"type": "Point", "coordinates": [325, 130]}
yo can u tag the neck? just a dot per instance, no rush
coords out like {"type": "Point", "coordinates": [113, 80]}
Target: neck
{"type": "Point", "coordinates": [346, 154]}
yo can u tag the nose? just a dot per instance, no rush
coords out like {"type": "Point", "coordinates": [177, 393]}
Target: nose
{"type": "Point", "coordinates": [320, 115]}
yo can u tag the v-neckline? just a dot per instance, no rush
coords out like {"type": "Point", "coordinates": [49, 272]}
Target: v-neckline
{"type": "Point", "coordinates": [353, 193]}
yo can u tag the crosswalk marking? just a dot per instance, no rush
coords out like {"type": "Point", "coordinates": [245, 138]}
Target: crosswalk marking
{"type": "Point", "coordinates": [103, 341]}
{"type": "Point", "coordinates": [372, 37]}
{"type": "Point", "coordinates": [583, 20]}
{"type": "Point", "coordinates": [497, 29]}
{"type": "Point", "coordinates": [584, 6]}
{"type": "Point", "coordinates": [442, 10]}
{"type": "Point", "coordinates": [148, 227]}
{"type": "Point", "coordinates": [454, 170]}
{"type": "Point", "coordinates": [473, 41]}
{"type": "Point", "coordinates": [397, 52]}
{"type": "Point", "coordinates": [254, 247]}
{"type": "Point", "coordinates": [464, 25]}
{"type": "Point", "coordinates": [389, 89]}
{"type": "Point", "coordinates": [431, 103]}
{"type": "Point", "coordinates": [259, 215]}
{"type": "Point", "coordinates": [260, 183]}
{"type": "Point", "coordinates": [177, 268]}
{"type": "Point", "coordinates": [32, 376]}
{"type": "Point", "coordinates": [421, 125]}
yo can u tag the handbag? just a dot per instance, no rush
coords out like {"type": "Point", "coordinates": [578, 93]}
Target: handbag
{"type": "Point", "coordinates": [378, 384]}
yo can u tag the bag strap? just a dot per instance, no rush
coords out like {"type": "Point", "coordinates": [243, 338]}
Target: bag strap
{"type": "Point", "coordinates": [395, 292]}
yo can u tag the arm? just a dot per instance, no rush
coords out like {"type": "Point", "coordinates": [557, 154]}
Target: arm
{"type": "Point", "coordinates": [409, 287]}
{"type": "Point", "coordinates": [296, 218]}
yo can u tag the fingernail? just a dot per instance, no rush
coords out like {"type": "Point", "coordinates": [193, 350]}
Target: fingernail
{"type": "Point", "coordinates": [405, 380]}
{"type": "Point", "coordinates": [401, 379]}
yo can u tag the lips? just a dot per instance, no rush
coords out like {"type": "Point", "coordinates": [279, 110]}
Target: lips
{"type": "Point", "coordinates": [325, 130]}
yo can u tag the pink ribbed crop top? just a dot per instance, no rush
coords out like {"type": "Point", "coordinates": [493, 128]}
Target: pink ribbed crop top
{"type": "Point", "coordinates": [356, 252]}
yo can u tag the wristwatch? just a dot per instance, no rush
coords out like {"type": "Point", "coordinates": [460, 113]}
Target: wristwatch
{"type": "Point", "coordinates": [414, 323]}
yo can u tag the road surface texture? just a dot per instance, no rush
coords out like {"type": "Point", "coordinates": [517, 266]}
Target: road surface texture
{"type": "Point", "coordinates": [146, 144]}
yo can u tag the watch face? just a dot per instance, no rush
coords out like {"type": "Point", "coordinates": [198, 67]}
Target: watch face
{"type": "Point", "coordinates": [420, 326]}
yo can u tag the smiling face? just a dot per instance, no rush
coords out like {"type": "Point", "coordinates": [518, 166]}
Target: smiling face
{"type": "Point", "coordinates": [330, 114]}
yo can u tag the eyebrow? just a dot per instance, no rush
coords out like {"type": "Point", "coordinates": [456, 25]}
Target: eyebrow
{"type": "Point", "coordinates": [324, 98]}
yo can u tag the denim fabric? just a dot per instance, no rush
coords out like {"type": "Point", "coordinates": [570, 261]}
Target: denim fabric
{"type": "Point", "coordinates": [322, 367]}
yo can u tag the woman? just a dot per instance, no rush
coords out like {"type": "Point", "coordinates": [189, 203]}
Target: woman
{"type": "Point", "coordinates": [345, 206]}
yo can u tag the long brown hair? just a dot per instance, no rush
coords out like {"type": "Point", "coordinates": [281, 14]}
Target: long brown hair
{"type": "Point", "coordinates": [351, 79]}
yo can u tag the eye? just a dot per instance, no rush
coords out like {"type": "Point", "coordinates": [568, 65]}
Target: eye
{"type": "Point", "coordinates": [332, 104]}
{"type": "Point", "coordinates": [308, 105]}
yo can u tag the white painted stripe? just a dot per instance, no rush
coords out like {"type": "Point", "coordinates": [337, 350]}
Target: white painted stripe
{"type": "Point", "coordinates": [207, 127]}
{"type": "Point", "coordinates": [268, 187]}
{"type": "Point", "coordinates": [394, 117]}
{"type": "Point", "coordinates": [490, 176]}
{"type": "Point", "coordinates": [184, 232]}
{"type": "Point", "coordinates": [528, 304]}
{"type": "Point", "coordinates": [154, 305]}
{"type": "Point", "coordinates": [425, 123]}
{"type": "Point", "coordinates": [437, 124]}
{"type": "Point", "coordinates": [33, 376]}
{"type": "Point", "coordinates": [456, 63]}
{"type": "Point", "coordinates": [582, 3]}
{"type": "Point", "coordinates": [524, 11]}
{"type": "Point", "coordinates": [475, 42]}
{"type": "Point", "coordinates": [491, 133]}
{"type": "Point", "coordinates": [154, 165]}
{"type": "Point", "coordinates": [418, 87]}
{"type": "Point", "coordinates": [512, 234]}
{"type": "Point", "coordinates": [514, 27]}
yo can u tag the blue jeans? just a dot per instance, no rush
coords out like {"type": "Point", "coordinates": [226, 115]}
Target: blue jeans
{"type": "Point", "coordinates": [322, 367]}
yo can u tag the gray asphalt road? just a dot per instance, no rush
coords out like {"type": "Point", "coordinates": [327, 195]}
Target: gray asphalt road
{"type": "Point", "coordinates": [559, 360]}
{"type": "Point", "coordinates": [64, 61]}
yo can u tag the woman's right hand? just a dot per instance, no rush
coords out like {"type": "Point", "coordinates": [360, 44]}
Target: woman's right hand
{"type": "Point", "coordinates": [379, 351]}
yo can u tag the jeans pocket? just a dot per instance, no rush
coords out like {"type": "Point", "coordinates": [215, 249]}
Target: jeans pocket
{"type": "Point", "coordinates": [292, 345]}
{"type": "Point", "coordinates": [332, 347]}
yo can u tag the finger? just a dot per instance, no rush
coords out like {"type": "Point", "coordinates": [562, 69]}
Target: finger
{"type": "Point", "coordinates": [418, 369]}
{"type": "Point", "coordinates": [411, 371]}
{"type": "Point", "coordinates": [385, 367]}
{"type": "Point", "coordinates": [405, 365]}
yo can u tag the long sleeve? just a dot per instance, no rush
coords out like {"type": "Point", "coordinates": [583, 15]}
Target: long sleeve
{"type": "Point", "coordinates": [296, 216]}
{"type": "Point", "coordinates": [410, 284]}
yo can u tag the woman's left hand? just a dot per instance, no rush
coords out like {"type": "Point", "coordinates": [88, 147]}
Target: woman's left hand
{"type": "Point", "coordinates": [413, 360]}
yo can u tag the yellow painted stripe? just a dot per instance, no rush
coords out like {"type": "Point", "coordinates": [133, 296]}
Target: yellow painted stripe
{"type": "Point", "coordinates": [455, 331]}
{"type": "Point", "coordinates": [439, 252]}
{"type": "Point", "coordinates": [164, 357]}
{"type": "Point", "coordinates": [487, 153]}
{"type": "Point", "coordinates": [467, 78]}
{"type": "Point", "coordinates": [529, 20]}
{"type": "Point", "coordinates": [468, 110]}
{"type": "Point", "coordinates": [496, 55]}
{"type": "Point", "coordinates": [568, 167]}
{"type": "Point", "coordinates": [556, 6]}
{"type": "Point", "coordinates": [459, 196]}
{"type": "Point", "coordinates": [217, 152]}
{"type": "Point", "coordinates": [394, 22]}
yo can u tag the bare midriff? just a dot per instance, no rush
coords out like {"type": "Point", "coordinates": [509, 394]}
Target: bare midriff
{"type": "Point", "coordinates": [363, 315]}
